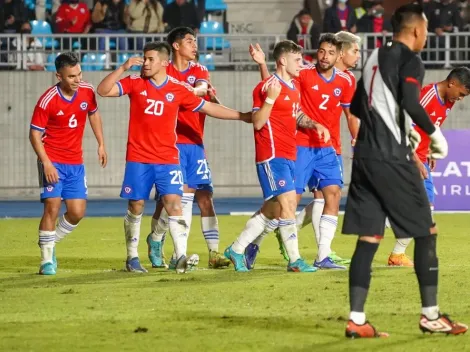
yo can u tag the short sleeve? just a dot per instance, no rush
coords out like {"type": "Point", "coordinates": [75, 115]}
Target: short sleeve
{"type": "Point", "coordinates": [190, 101]}
{"type": "Point", "coordinates": [126, 85]}
{"type": "Point", "coordinates": [202, 74]}
{"type": "Point", "coordinates": [348, 93]}
{"type": "Point", "coordinates": [93, 106]}
{"type": "Point", "coordinates": [258, 97]}
{"type": "Point", "coordinates": [40, 117]}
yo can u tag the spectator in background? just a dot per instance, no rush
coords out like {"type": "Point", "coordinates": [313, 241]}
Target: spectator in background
{"type": "Point", "coordinates": [339, 17]}
{"type": "Point", "coordinates": [41, 9]}
{"type": "Point", "coordinates": [35, 57]}
{"type": "Point", "coordinates": [449, 20]}
{"type": "Point", "coordinates": [304, 32]}
{"type": "Point", "coordinates": [73, 17]}
{"type": "Point", "coordinates": [108, 17]}
{"type": "Point", "coordinates": [14, 14]}
{"type": "Point", "coordinates": [146, 16]}
{"type": "Point", "coordinates": [181, 13]}
{"type": "Point", "coordinates": [374, 22]}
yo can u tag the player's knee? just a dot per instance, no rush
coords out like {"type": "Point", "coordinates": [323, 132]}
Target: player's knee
{"type": "Point", "coordinates": [51, 210]}
{"type": "Point", "coordinates": [136, 207]}
{"type": "Point", "coordinates": [75, 215]}
{"type": "Point", "coordinates": [205, 203]}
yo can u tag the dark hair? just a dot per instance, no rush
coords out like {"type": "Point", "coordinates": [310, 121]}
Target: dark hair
{"type": "Point", "coordinates": [66, 59]}
{"type": "Point", "coordinates": [284, 47]}
{"type": "Point", "coordinates": [331, 39]}
{"type": "Point", "coordinates": [406, 14]}
{"type": "Point", "coordinates": [303, 13]}
{"type": "Point", "coordinates": [178, 34]}
{"type": "Point", "coordinates": [460, 74]}
{"type": "Point", "coordinates": [161, 47]}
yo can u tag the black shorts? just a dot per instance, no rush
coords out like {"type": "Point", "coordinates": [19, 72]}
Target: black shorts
{"type": "Point", "coordinates": [381, 189]}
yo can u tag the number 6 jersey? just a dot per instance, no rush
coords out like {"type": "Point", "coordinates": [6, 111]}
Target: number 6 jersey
{"type": "Point", "coordinates": [63, 122]}
{"type": "Point", "coordinates": [153, 114]}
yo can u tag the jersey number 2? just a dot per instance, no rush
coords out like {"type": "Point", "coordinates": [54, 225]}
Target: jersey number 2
{"type": "Point", "coordinates": [325, 98]}
{"type": "Point", "coordinates": [155, 107]}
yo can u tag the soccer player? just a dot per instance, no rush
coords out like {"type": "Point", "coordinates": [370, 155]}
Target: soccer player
{"type": "Point", "coordinates": [152, 156]}
{"type": "Point", "coordinates": [437, 99]}
{"type": "Point", "coordinates": [276, 103]}
{"type": "Point", "coordinates": [194, 165]}
{"type": "Point", "coordinates": [350, 55]}
{"type": "Point", "coordinates": [56, 134]}
{"type": "Point", "coordinates": [385, 181]}
{"type": "Point", "coordinates": [323, 88]}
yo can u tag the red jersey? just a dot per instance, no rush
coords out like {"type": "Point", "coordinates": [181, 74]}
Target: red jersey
{"type": "Point", "coordinates": [63, 122]}
{"type": "Point", "coordinates": [189, 128]}
{"type": "Point", "coordinates": [320, 101]}
{"type": "Point", "coordinates": [335, 131]}
{"type": "Point", "coordinates": [153, 113]}
{"type": "Point", "coordinates": [72, 18]}
{"type": "Point", "coordinates": [437, 111]}
{"type": "Point", "coordinates": [276, 139]}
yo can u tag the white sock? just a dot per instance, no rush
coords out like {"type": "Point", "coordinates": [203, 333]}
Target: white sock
{"type": "Point", "coordinates": [210, 230]}
{"type": "Point", "coordinates": [253, 228]}
{"type": "Point", "coordinates": [288, 230]}
{"type": "Point", "coordinates": [358, 318]}
{"type": "Point", "coordinates": [305, 216]}
{"type": "Point", "coordinates": [400, 245]}
{"type": "Point", "coordinates": [159, 227]}
{"type": "Point", "coordinates": [317, 211]}
{"type": "Point", "coordinates": [187, 203]}
{"type": "Point", "coordinates": [328, 224]}
{"type": "Point", "coordinates": [132, 233]}
{"type": "Point", "coordinates": [270, 227]}
{"type": "Point", "coordinates": [46, 243]}
{"type": "Point", "coordinates": [432, 313]}
{"type": "Point", "coordinates": [179, 234]}
{"type": "Point", "coordinates": [63, 228]}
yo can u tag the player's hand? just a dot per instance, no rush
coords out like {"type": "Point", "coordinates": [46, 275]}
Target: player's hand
{"type": "Point", "coordinates": [132, 61]}
{"type": "Point", "coordinates": [50, 172]}
{"type": "Point", "coordinates": [323, 132]}
{"type": "Point", "coordinates": [102, 156]}
{"type": "Point", "coordinates": [274, 89]}
{"type": "Point", "coordinates": [439, 148]}
{"type": "Point", "coordinates": [432, 164]}
{"type": "Point", "coordinates": [422, 169]}
{"type": "Point", "coordinates": [246, 117]}
{"type": "Point", "coordinates": [257, 54]}
{"type": "Point", "coordinates": [415, 139]}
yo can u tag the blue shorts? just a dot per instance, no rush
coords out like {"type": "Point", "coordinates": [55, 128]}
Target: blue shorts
{"type": "Point", "coordinates": [341, 165]}
{"type": "Point", "coordinates": [317, 168]}
{"type": "Point", "coordinates": [196, 171]}
{"type": "Point", "coordinates": [139, 179]}
{"type": "Point", "coordinates": [429, 184]}
{"type": "Point", "coordinates": [276, 177]}
{"type": "Point", "coordinates": [71, 185]}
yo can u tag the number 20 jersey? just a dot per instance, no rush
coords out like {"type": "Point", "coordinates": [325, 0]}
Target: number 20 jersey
{"type": "Point", "coordinates": [153, 115]}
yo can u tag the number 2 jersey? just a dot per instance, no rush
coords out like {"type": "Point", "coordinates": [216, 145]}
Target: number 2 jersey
{"type": "Point", "coordinates": [153, 115]}
{"type": "Point", "coordinates": [63, 122]}
{"type": "Point", "coordinates": [437, 111]}
{"type": "Point", "coordinates": [190, 127]}
{"type": "Point", "coordinates": [322, 100]}
{"type": "Point", "coordinates": [276, 139]}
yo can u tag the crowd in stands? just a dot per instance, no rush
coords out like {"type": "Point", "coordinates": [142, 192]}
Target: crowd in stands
{"type": "Point", "coordinates": [444, 16]}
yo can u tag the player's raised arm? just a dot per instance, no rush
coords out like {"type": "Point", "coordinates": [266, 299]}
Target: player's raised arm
{"type": "Point", "coordinates": [259, 57]}
{"type": "Point", "coordinates": [97, 127]}
{"type": "Point", "coordinates": [304, 121]}
{"type": "Point", "coordinates": [261, 113]}
{"type": "Point", "coordinates": [108, 87]}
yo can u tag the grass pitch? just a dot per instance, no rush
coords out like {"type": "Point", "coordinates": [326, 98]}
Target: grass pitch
{"type": "Point", "coordinates": [93, 305]}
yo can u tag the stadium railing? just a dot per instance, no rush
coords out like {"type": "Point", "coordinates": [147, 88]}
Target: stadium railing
{"type": "Point", "coordinates": [227, 51]}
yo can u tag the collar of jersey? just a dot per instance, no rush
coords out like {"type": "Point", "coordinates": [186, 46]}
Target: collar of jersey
{"type": "Point", "coordinates": [63, 97]}
{"type": "Point", "coordinates": [161, 85]}
{"type": "Point", "coordinates": [285, 83]}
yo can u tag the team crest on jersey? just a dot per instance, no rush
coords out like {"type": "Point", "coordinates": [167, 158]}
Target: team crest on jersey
{"type": "Point", "coordinates": [282, 183]}
{"type": "Point", "coordinates": [50, 188]}
{"type": "Point", "coordinates": [170, 97]}
{"type": "Point", "coordinates": [447, 112]}
{"type": "Point", "coordinates": [191, 79]}
{"type": "Point", "coordinates": [337, 92]}
{"type": "Point", "coordinates": [127, 189]}
{"type": "Point", "coordinates": [83, 106]}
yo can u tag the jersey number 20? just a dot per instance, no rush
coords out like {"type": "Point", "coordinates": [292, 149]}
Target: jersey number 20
{"type": "Point", "coordinates": [155, 107]}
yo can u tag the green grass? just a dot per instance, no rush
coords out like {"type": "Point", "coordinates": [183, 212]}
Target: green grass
{"type": "Point", "coordinates": [93, 305]}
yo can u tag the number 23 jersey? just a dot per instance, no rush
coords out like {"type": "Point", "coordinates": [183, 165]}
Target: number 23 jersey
{"type": "Point", "coordinates": [153, 114]}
